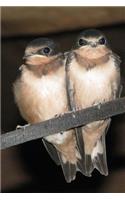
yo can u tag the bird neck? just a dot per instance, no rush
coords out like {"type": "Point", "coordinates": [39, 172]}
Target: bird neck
{"type": "Point", "coordinates": [45, 68]}
{"type": "Point", "coordinates": [89, 63]}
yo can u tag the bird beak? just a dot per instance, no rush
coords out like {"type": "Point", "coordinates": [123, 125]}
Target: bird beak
{"type": "Point", "coordinates": [27, 57]}
{"type": "Point", "coordinates": [93, 44]}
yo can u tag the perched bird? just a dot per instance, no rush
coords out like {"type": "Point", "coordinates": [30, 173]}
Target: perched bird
{"type": "Point", "coordinates": [93, 77]}
{"type": "Point", "coordinates": [40, 94]}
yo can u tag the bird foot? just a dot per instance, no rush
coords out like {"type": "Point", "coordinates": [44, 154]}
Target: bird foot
{"type": "Point", "coordinates": [22, 127]}
{"type": "Point", "coordinates": [99, 106]}
{"type": "Point", "coordinates": [59, 115]}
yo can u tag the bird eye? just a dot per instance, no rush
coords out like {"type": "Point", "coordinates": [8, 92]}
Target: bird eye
{"type": "Point", "coordinates": [82, 42]}
{"type": "Point", "coordinates": [102, 41]}
{"type": "Point", "coordinates": [44, 51]}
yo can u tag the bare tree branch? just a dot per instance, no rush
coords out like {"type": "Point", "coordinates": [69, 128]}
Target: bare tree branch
{"type": "Point", "coordinates": [62, 123]}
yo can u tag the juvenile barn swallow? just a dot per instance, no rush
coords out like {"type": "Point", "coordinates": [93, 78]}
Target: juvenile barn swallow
{"type": "Point", "coordinates": [93, 77]}
{"type": "Point", "coordinates": [40, 94]}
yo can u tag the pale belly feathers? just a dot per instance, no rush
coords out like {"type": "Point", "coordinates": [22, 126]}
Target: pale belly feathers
{"type": "Point", "coordinates": [96, 85]}
{"type": "Point", "coordinates": [45, 98]}
{"type": "Point", "coordinates": [48, 95]}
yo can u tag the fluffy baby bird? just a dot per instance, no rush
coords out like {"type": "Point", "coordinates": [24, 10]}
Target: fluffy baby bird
{"type": "Point", "coordinates": [93, 76]}
{"type": "Point", "coordinates": [40, 94]}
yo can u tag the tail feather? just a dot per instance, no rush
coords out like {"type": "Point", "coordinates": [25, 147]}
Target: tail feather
{"type": "Point", "coordinates": [65, 153]}
{"type": "Point", "coordinates": [80, 144]}
{"type": "Point", "coordinates": [88, 165]}
{"type": "Point", "coordinates": [99, 153]}
{"type": "Point", "coordinates": [51, 151]}
{"type": "Point", "coordinates": [99, 158]}
{"type": "Point", "coordinates": [69, 169]}
{"type": "Point", "coordinates": [100, 164]}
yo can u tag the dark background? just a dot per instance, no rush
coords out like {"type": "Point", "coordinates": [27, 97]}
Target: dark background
{"type": "Point", "coordinates": [28, 167]}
